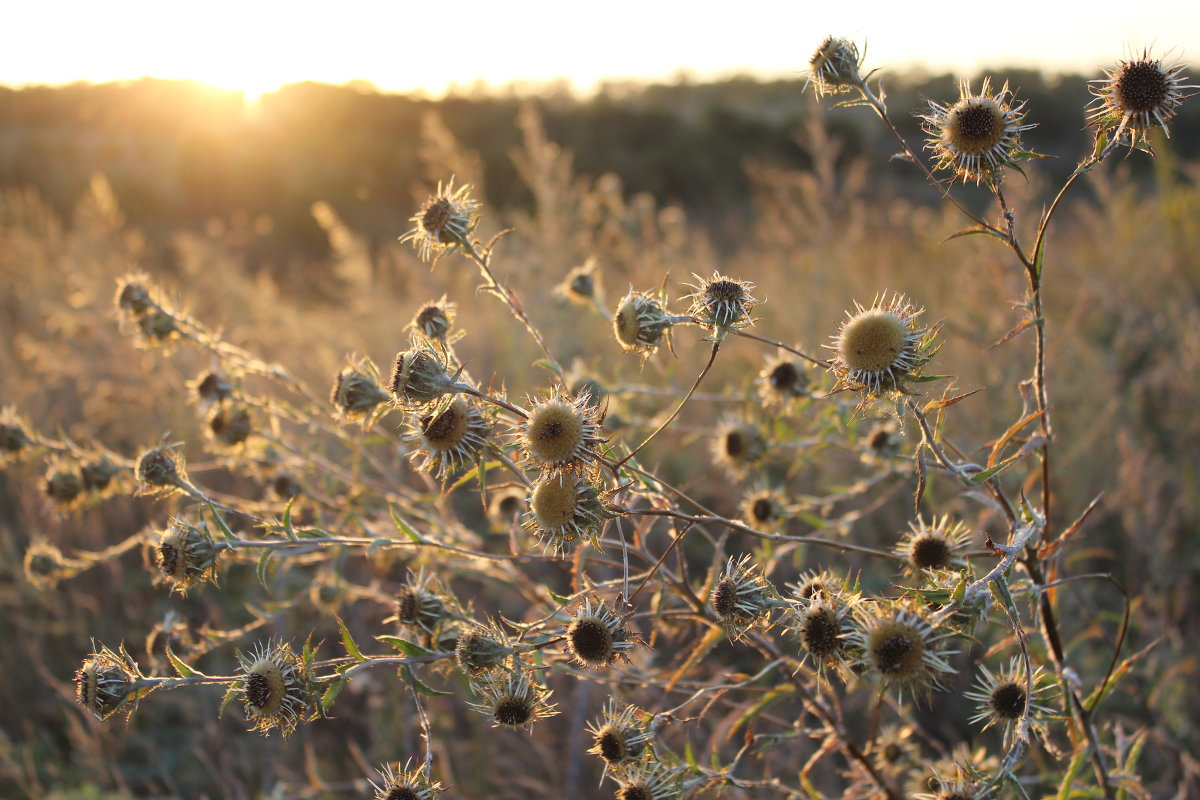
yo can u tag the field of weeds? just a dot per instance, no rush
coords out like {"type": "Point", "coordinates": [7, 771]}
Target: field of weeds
{"type": "Point", "coordinates": [578, 499]}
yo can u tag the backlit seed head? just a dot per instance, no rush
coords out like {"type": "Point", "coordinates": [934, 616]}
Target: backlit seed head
{"type": "Point", "coordinates": [834, 67]}
{"type": "Point", "coordinates": [185, 555]}
{"type": "Point", "coordinates": [900, 649]}
{"type": "Point", "coordinates": [45, 565]}
{"type": "Point", "coordinates": [422, 604]}
{"type": "Point", "coordinates": [158, 326]}
{"type": "Point", "coordinates": [959, 786]}
{"type": "Point", "coordinates": [650, 783]}
{"type": "Point", "coordinates": [1001, 697]}
{"type": "Point", "coordinates": [895, 750]}
{"type": "Point", "coordinates": [159, 470]}
{"type": "Point", "coordinates": [434, 320]}
{"type": "Point", "coordinates": [933, 545]}
{"type": "Point", "coordinates": [782, 380]}
{"type": "Point", "coordinates": [481, 649]}
{"type": "Point", "coordinates": [419, 377]}
{"type": "Point", "coordinates": [134, 296]}
{"type": "Point", "coordinates": [96, 472]}
{"type": "Point", "coordinates": [641, 324]}
{"type": "Point", "coordinates": [878, 349]}
{"type": "Point", "coordinates": [450, 438]}
{"type": "Point", "coordinates": [277, 688]}
{"type": "Point", "coordinates": [106, 683]}
{"type": "Point", "coordinates": [13, 436]}
{"type": "Point", "coordinates": [505, 505]}
{"type": "Point", "coordinates": [721, 303]}
{"type": "Point", "coordinates": [741, 598]}
{"type": "Point", "coordinates": [977, 135]}
{"type": "Point", "coordinates": [63, 485]}
{"type": "Point", "coordinates": [1136, 96]}
{"type": "Point", "coordinates": [580, 284]}
{"type": "Point", "coordinates": [882, 442]}
{"type": "Point", "coordinates": [514, 701]}
{"type": "Point", "coordinates": [405, 783]}
{"type": "Point", "coordinates": [356, 391]}
{"type": "Point", "coordinates": [561, 433]}
{"type": "Point", "coordinates": [230, 425]}
{"type": "Point", "coordinates": [212, 388]}
{"type": "Point", "coordinates": [565, 508]}
{"type": "Point", "coordinates": [445, 221]}
{"type": "Point", "coordinates": [763, 508]}
{"type": "Point", "coordinates": [619, 738]}
{"type": "Point", "coordinates": [285, 485]}
{"type": "Point", "coordinates": [737, 446]}
{"type": "Point", "coordinates": [821, 629]}
{"type": "Point", "coordinates": [817, 585]}
{"type": "Point", "coordinates": [597, 637]}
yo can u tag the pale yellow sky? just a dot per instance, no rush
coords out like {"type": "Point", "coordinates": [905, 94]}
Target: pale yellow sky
{"type": "Point", "coordinates": [429, 45]}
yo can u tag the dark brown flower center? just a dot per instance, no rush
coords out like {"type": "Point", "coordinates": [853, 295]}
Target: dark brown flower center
{"type": "Point", "coordinates": [611, 743]}
{"type": "Point", "coordinates": [763, 510]}
{"type": "Point", "coordinates": [725, 597]}
{"type": "Point", "coordinates": [590, 640]}
{"type": "Point", "coordinates": [634, 791]}
{"type": "Point", "coordinates": [891, 655]}
{"type": "Point", "coordinates": [930, 552]}
{"type": "Point", "coordinates": [784, 376]}
{"type": "Point", "coordinates": [512, 711]}
{"type": "Point", "coordinates": [258, 690]}
{"type": "Point", "coordinates": [407, 604]}
{"type": "Point", "coordinates": [821, 632]}
{"type": "Point", "coordinates": [735, 444]}
{"type": "Point", "coordinates": [1142, 86]}
{"type": "Point", "coordinates": [1008, 701]}
{"type": "Point", "coordinates": [403, 793]}
{"type": "Point", "coordinates": [437, 216]}
{"type": "Point", "coordinates": [978, 121]}
{"type": "Point", "coordinates": [168, 558]}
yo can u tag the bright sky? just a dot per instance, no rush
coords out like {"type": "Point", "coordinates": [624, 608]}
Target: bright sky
{"type": "Point", "coordinates": [258, 45]}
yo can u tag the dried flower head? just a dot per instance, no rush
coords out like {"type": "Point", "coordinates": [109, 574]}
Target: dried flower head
{"type": "Point", "coordinates": [650, 783]}
{"type": "Point", "coordinates": [97, 471]}
{"type": "Point", "coordinates": [107, 683]}
{"type": "Point", "coordinates": [817, 584]}
{"type": "Point", "coordinates": [481, 649]}
{"type": "Point", "coordinates": [562, 434]}
{"type": "Point", "coordinates": [134, 296]}
{"type": "Point", "coordinates": [742, 598]}
{"type": "Point", "coordinates": [641, 324]}
{"type": "Point", "coordinates": [64, 484]}
{"type": "Point", "coordinates": [882, 442]}
{"type": "Point", "coordinates": [580, 284]}
{"type": "Point", "coordinates": [737, 446]}
{"type": "Point", "coordinates": [356, 391]}
{"type": "Point", "coordinates": [444, 222]}
{"type": "Point", "coordinates": [505, 505]}
{"type": "Point", "coordinates": [185, 555]}
{"type": "Point", "coordinates": [619, 738]}
{"type": "Point", "coordinates": [1136, 96]}
{"type": "Point", "coordinates": [1003, 698]}
{"type": "Point", "coordinates": [45, 565]}
{"type": "Point", "coordinates": [782, 380]}
{"type": "Point", "coordinates": [961, 785]}
{"type": "Point", "coordinates": [596, 636]}
{"type": "Point", "coordinates": [277, 690]}
{"type": "Point", "coordinates": [565, 508]}
{"type": "Point", "coordinates": [763, 508]}
{"type": "Point", "coordinates": [895, 750]}
{"type": "Point", "coordinates": [422, 604]}
{"type": "Point", "coordinates": [13, 436]}
{"type": "Point", "coordinates": [514, 701]}
{"type": "Point", "coordinates": [721, 303]}
{"type": "Point", "coordinates": [405, 783]}
{"type": "Point", "coordinates": [449, 439]}
{"type": "Point", "coordinates": [230, 425]}
{"type": "Point", "coordinates": [212, 388]}
{"type": "Point", "coordinates": [900, 648]}
{"type": "Point", "coordinates": [835, 67]}
{"type": "Point", "coordinates": [420, 377]}
{"type": "Point", "coordinates": [159, 326]}
{"type": "Point", "coordinates": [977, 135]}
{"type": "Point", "coordinates": [933, 545]}
{"type": "Point", "coordinates": [285, 485]}
{"type": "Point", "coordinates": [823, 627]}
{"type": "Point", "coordinates": [434, 319]}
{"type": "Point", "coordinates": [879, 349]}
{"type": "Point", "coordinates": [160, 469]}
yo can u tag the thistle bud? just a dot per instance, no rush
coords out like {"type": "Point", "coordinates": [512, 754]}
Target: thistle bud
{"type": "Point", "coordinates": [185, 555]}
{"type": "Point", "coordinates": [106, 683]}
{"type": "Point", "coordinates": [419, 377]}
{"type": "Point", "coordinates": [356, 393]}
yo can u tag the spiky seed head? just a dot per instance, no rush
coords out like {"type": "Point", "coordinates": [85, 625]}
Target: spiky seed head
{"type": "Point", "coordinates": [405, 783]}
{"type": "Point", "coordinates": [597, 636]}
{"type": "Point", "coordinates": [106, 683]}
{"type": "Point", "coordinates": [580, 284]}
{"type": "Point", "coordinates": [821, 632]}
{"type": "Point", "coordinates": [420, 604]}
{"type": "Point", "coordinates": [419, 378]}
{"type": "Point", "coordinates": [721, 303]}
{"type": "Point", "coordinates": [878, 349]}
{"type": "Point", "coordinates": [159, 469]}
{"type": "Point", "coordinates": [97, 472]}
{"type": "Point", "coordinates": [230, 425]}
{"type": "Point", "coordinates": [450, 438]}
{"type": "Point", "coordinates": [185, 555]}
{"type": "Point", "coordinates": [933, 544]}
{"type": "Point", "coordinates": [901, 649]}
{"type": "Point", "coordinates": [134, 296]}
{"type": "Point", "coordinates": [782, 380]}
{"type": "Point", "coordinates": [618, 738]}
{"type": "Point", "coordinates": [480, 650]}
{"type": "Point", "coordinates": [562, 433]}
{"type": "Point", "coordinates": [276, 688]}
{"type": "Point", "coordinates": [653, 783]}
{"type": "Point", "coordinates": [515, 701]}
{"type": "Point", "coordinates": [435, 319]}
{"type": "Point", "coordinates": [564, 508]}
{"type": "Point", "coordinates": [1002, 698]}
{"type": "Point", "coordinates": [444, 221]}
{"type": "Point", "coordinates": [1136, 96]}
{"type": "Point", "coordinates": [640, 323]}
{"type": "Point", "coordinates": [45, 565]}
{"type": "Point", "coordinates": [63, 485]}
{"type": "Point", "coordinates": [977, 135]}
{"type": "Point", "coordinates": [356, 392]}
{"type": "Point", "coordinates": [763, 508]}
{"type": "Point", "coordinates": [834, 67]}
{"type": "Point", "coordinates": [741, 598]}
{"type": "Point", "coordinates": [737, 446]}
{"type": "Point", "coordinates": [13, 436]}
{"type": "Point", "coordinates": [285, 485]}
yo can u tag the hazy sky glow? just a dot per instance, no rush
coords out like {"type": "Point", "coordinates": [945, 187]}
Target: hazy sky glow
{"type": "Point", "coordinates": [258, 45]}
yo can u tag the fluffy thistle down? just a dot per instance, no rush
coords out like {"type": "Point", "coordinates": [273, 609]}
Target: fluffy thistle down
{"type": "Point", "coordinates": [405, 783]}
{"type": "Point", "coordinates": [106, 683]}
{"type": "Point", "coordinates": [561, 433]}
{"type": "Point", "coordinates": [277, 690]}
{"type": "Point", "coordinates": [565, 508]}
{"type": "Point", "coordinates": [834, 67]}
{"type": "Point", "coordinates": [514, 701]}
{"type": "Point", "coordinates": [444, 221]}
{"type": "Point", "coordinates": [879, 349]}
{"type": "Point", "coordinates": [742, 598]}
{"type": "Point", "coordinates": [618, 738]}
{"type": "Point", "coordinates": [1136, 96]}
{"type": "Point", "coordinates": [933, 545]}
{"type": "Point", "coordinates": [1002, 698]}
{"type": "Point", "coordinates": [449, 439]}
{"type": "Point", "coordinates": [641, 324]}
{"type": "Point", "coordinates": [721, 303]}
{"type": "Point", "coordinates": [977, 135]}
{"type": "Point", "coordinates": [185, 555]}
{"type": "Point", "coordinates": [899, 648]}
{"type": "Point", "coordinates": [596, 636]}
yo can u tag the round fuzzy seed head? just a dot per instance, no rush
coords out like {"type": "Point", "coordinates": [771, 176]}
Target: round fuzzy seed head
{"type": "Point", "coordinates": [1007, 700]}
{"type": "Point", "coordinates": [834, 67]}
{"type": "Point", "coordinates": [105, 683]}
{"type": "Point", "coordinates": [930, 552]}
{"type": "Point", "coordinates": [878, 348]}
{"type": "Point", "coordinates": [590, 641]}
{"type": "Point", "coordinates": [276, 689]}
{"type": "Point", "coordinates": [611, 744]}
{"type": "Point", "coordinates": [13, 438]}
{"type": "Point", "coordinates": [737, 446]}
{"type": "Point", "coordinates": [978, 134]}
{"type": "Point", "coordinates": [820, 630]}
{"type": "Point", "coordinates": [763, 509]}
{"type": "Point", "coordinates": [554, 503]}
{"type": "Point", "coordinates": [741, 598]}
{"type": "Point", "coordinates": [449, 439]}
{"type": "Point", "coordinates": [418, 605]}
{"type": "Point", "coordinates": [721, 303]}
{"type": "Point", "coordinates": [901, 649]}
{"type": "Point", "coordinates": [1137, 96]}
{"type": "Point", "coordinates": [562, 434]}
{"type": "Point", "coordinates": [97, 473]}
{"type": "Point", "coordinates": [230, 426]}
{"type": "Point", "coordinates": [478, 651]}
{"type": "Point", "coordinates": [933, 545]}
{"type": "Point", "coordinates": [513, 712]}
{"type": "Point", "coordinates": [658, 783]}
{"type": "Point", "coordinates": [405, 784]}
{"type": "Point", "coordinates": [782, 380]}
{"type": "Point", "coordinates": [872, 341]}
{"type": "Point", "coordinates": [514, 701]}
{"type": "Point", "coordinates": [185, 555]}
{"type": "Point", "coordinates": [640, 324]}
{"type": "Point", "coordinates": [896, 651]}
{"type": "Point", "coordinates": [434, 320]}
{"type": "Point", "coordinates": [564, 508]}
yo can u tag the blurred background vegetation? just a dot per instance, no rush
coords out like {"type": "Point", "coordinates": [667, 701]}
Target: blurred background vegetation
{"type": "Point", "coordinates": [277, 223]}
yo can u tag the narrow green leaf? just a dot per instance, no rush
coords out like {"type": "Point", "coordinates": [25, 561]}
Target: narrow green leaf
{"type": "Point", "coordinates": [988, 473]}
{"type": "Point", "coordinates": [181, 668]}
{"type": "Point", "coordinates": [220, 522]}
{"type": "Point", "coordinates": [411, 678]}
{"type": "Point", "coordinates": [287, 519]}
{"type": "Point", "coordinates": [404, 646]}
{"type": "Point", "coordinates": [406, 528]}
{"type": "Point", "coordinates": [1064, 788]}
{"type": "Point", "coordinates": [974, 230]}
{"type": "Point", "coordinates": [558, 598]}
{"type": "Point", "coordinates": [331, 692]}
{"type": "Point", "coordinates": [264, 562]}
{"type": "Point", "coordinates": [348, 641]}
{"type": "Point", "coordinates": [230, 695]}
